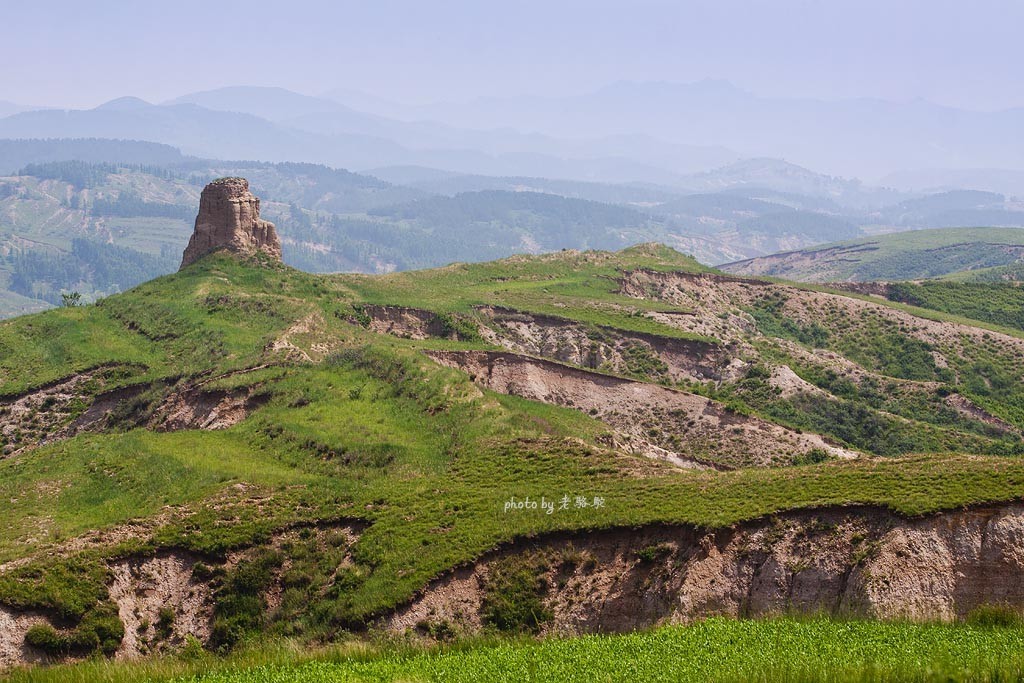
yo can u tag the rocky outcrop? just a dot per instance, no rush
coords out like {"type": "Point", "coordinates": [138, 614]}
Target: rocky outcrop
{"type": "Point", "coordinates": [229, 219]}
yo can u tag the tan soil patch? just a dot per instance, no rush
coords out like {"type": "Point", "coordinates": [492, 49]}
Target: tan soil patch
{"type": "Point", "coordinates": [198, 409]}
{"type": "Point", "coordinates": [146, 588]}
{"type": "Point", "coordinates": [790, 384]}
{"type": "Point", "coordinates": [405, 322]}
{"type": "Point", "coordinates": [969, 408]}
{"type": "Point", "coordinates": [305, 341]}
{"type": "Point", "coordinates": [46, 414]}
{"type": "Point", "coordinates": [13, 627]}
{"type": "Point", "coordinates": [718, 300]}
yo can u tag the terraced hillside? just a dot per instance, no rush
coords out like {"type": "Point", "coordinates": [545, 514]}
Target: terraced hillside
{"type": "Point", "coordinates": [566, 443]}
{"type": "Point", "coordinates": [983, 254]}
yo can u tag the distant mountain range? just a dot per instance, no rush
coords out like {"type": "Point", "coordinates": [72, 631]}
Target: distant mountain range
{"type": "Point", "coordinates": [271, 124]}
{"type": "Point", "coordinates": [868, 138]}
{"type": "Point", "coordinates": [16, 154]}
{"type": "Point", "coordinates": [656, 133]}
{"type": "Point", "coordinates": [1001, 180]}
{"type": "Point", "coordinates": [8, 108]}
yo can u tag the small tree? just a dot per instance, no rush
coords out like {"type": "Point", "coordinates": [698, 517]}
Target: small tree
{"type": "Point", "coordinates": [71, 299]}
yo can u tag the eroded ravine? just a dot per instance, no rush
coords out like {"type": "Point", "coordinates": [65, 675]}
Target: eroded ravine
{"type": "Point", "coordinates": [83, 403]}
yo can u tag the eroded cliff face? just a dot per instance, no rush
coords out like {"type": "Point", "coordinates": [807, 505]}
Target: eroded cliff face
{"type": "Point", "coordinates": [843, 561]}
{"type": "Point", "coordinates": [229, 218]}
{"type": "Point", "coordinates": [859, 562]}
{"type": "Point", "coordinates": [163, 600]}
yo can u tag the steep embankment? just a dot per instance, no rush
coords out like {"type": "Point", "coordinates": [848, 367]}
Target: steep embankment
{"type": "Point", "coordinates": [849, 562]}
{"type": "Point", "coordinates": [843, 561]}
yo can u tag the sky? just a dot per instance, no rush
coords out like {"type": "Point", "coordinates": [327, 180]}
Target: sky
{"type": "Point", "coordinates": [79, 54]}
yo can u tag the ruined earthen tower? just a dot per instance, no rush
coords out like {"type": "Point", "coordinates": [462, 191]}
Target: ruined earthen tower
{"type": "Point", "coordinates": [229, 218]}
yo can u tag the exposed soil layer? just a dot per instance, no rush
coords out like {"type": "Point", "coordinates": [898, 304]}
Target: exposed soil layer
{"type": "Point", "coordinates": [405, 322]}
{"type": "Point", "coordinates": [13, 627]}
{"type": "Point", "coordinates": [721, 302]}
{"type": "Point", "coordinates": [304, 341]}
{"type": "Point", "coordinates": [725, 304]}
{"type": "Point", "coordinates": [970, 409]}
{"type": "Point", "coordinates": [202, 409]}
{"type": "Point", "coordinates": [166, 409]}
{"type": "Point", "coordinates": [79, 404]}
{"type": "Point", "coordinates": [158, 600]}
{"type": "Point", "coordinates": [567, 341]}
{"type": "Point", "coordinates": [46, 413]}
{"type": "Point", "coordinates": [627, 353]}
{"type": "Point", "coordinates": [160, 603]}
{"type": "Point", "coordinates": [684, 428]}
{"type": "Point", "coordinates": [842, 561]}
{"type": "Point", "coordinates": [861, 562]}
{"type": "Point", "coordinates": [832, 264]}
{"type": "Point", "coordinates": [815, 265]}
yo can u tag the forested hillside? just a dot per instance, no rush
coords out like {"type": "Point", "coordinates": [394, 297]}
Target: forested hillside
{"type": "Point", "coordinates": [95, 228]}
{"type": "Point", "coordinates": [98, 227]}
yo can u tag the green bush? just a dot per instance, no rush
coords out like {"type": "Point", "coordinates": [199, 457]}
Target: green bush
{"type": "Point", "coordinates": [165, 622]}
{"type": "Point", "coordinates": [44, 637]}
{"type": "Point", "coordinates": [814, 456]}
{"type": "Point", "coordinates": [643, 362]}
{"type": "Point", "coordinates": [100, 630]}
{"type": "Point", "coordinates": [654, 553]}
{"type": "Point", "coordinates": [360, 315]}
{"type": "Point", "coordinates": [995, 616]}
{"type": "Point", "coordinates": [456, 326]}
{"type": "Point", "coordinates": [240, 603]}
{"type": "Point", "coordinates": [514, 596]}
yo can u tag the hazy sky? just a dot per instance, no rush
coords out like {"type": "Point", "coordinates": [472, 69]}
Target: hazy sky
{"type": "Point", "coordinates": [75, 53]}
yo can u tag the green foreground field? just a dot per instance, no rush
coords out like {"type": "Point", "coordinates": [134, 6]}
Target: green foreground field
{"type": "Point", "coordinates": [717, 649]}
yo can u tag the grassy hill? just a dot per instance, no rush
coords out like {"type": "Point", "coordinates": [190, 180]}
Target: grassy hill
{"type": "Point", "coordinates": [312, 451]}
{"type": "Point", "coordinates": [912, 255]}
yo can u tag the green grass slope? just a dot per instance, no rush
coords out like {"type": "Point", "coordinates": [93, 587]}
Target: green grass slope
{"type": "Point", "coordinates": [351, 426]}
